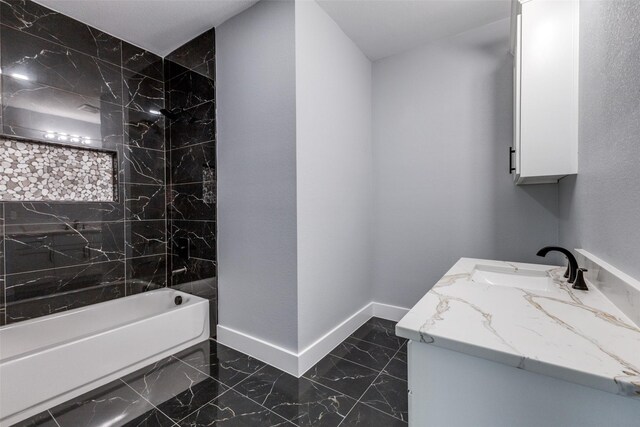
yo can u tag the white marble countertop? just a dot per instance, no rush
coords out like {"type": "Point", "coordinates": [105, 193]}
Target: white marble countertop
{"type": "Point", "coordinates": [577, 336]}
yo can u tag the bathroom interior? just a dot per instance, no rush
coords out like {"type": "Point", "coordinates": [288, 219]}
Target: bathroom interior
{"type": "Point", "coordinates": [320, 213]}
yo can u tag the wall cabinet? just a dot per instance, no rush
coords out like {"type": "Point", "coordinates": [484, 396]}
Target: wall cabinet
{"type": "Point", "coordinates": [544, 43]}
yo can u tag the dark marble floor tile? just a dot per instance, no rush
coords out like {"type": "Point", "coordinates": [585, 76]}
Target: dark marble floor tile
{"type": "Point", "coordinates": [49, 246]}
{"type": "Point", "coordinates": [142, 93]}
{"type": "Point", "coordinates": [299, 400]}
{"type": "Point", "coordinates": [233, 409]}
{"type": "Point", "coordinates": [112, 404]}
{"type": "Point", "coordinates": [144, 202]}
{"type": "Point", "coordinates": [30, 17]}
{"type": "Point", "coordinates": [364, 416]}
{"type": "Point", "coordinates": [40, 61]}
{"type": "Point", "coordinates": [403, 349]}
{"type": "Point", "coordinates": [195, 52]}
{"type": "Point", "coordinates": [397, 367]}
{"type": "Point", "coordinates": [141, 61]}
{"type": "Point", "coordinates": [143, 129]}
{"type": "Point", "coordinates": [389, 395]}
{"type": "Point", "coordinates": [381, 332]}
{"type": "Point", "coordinates": [364, 353]}
{"type": "Point", "coordinates": [176, 388]}
{"type": "Point", "coordinates": [194, 163]}
{"type": "Point", "coordinates": [152, 418]}
{"type": "Point", "coordinates": [43, 419]}
{"type": "Point", "coordinates": [342, 375]}
{"type": "Point", "coordinates": [191, 202]}
{"type": "Point", "coordinates": [141, 166]}
{"type": "Point", "coordinates": [146, 273]}
{"type": "Point", "coordinates": [221, 362]}
{"type": "Point", "coordinates": [31, 110]}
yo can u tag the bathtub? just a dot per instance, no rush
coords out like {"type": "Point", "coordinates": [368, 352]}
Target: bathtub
{"type": "Point", "coordinates": [51, 359]}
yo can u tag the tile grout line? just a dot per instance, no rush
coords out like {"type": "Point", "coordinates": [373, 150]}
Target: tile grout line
{"type": "Point", "coordinates": [52, 417]}
{"type": "Point", "coordinates": [123, 196]}
{"type": "Point", "coordinates": [146, 400]}
{"type": "Point", "coordinates": [365, 392]}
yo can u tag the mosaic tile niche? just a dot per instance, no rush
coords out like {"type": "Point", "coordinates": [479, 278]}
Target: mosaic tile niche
{"type": "Point", "coordinates": [31, 171]}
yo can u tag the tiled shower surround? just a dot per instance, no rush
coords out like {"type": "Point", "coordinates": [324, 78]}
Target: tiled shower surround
{"type": "Point", "coordinates": [60, 76]}
{"type": "Point", "coordinates": [191, 181]}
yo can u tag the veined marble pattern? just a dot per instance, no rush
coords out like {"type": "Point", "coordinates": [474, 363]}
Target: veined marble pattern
{"type": "Point", "coordinates": [36, 171]}
{"type": "Point", "coordinates": [577, 336]}
{"type": "Point", "coordinates": [211, 384]}
{"type": "Point", "coordinates": [63, 77]}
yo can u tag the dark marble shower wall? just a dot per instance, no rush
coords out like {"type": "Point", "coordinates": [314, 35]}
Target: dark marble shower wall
{"type": "Point", "coordinates": [61, 75]}
{"type": "Point", "coordinates": [191, 177]}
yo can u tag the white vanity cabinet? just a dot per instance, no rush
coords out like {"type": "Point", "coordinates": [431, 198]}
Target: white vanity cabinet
{"type": "Point", "coordinates": [544, 42]}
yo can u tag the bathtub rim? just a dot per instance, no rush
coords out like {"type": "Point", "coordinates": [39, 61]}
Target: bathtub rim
{"type": "Point", "coordinates": [47, 348]}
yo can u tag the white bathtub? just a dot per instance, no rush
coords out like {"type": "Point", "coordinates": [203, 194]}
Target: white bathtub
{"type": "Point", "coordinates": [51, 359]}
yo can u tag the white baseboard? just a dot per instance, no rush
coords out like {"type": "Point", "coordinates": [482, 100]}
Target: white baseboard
{"type": "Point", "coordinates": [269, 353]}
{"type": "Point", "coordinates": [389, 312]}
{"type": "Point", "coordinates": [298, 363]}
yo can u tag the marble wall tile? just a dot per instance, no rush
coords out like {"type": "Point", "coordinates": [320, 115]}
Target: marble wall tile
{"type": "Point", "coordinates": [75, 85]}
{"type": "Point", "coordinates": [142, 166]}
{"type": "Point", "coordinates": [144, 238]}
{"type": "Point", "coordinates": [197, 54]}
{"type": "Point", "coordinates": [39, 293]}
{"type": "Point", "coordinates": [2, 302]}
{"type": "Point", "coordinates": [142, 93]}
{"type": "Point", "coordinates": [193, 163]}
{"type": "Point", "coordinates": [143, 129]}
{"type": "Point", "coordinates": [194, 239]}
{"type": "Point", "coordinates": [198, 126]}
{"type": "Point", "coordinates": [143, 202]}
{"type": "Point", "coordinates": [141, 61]}
{"type": "Point", "coordinates": [146, 273]}
{"type": "Point", "coordinates": [62, 213]}
{"type": "Point", "coordinates": [50, 246]}
{"type": "Point", "coordinates": [31, 109]}
{"type": "Point", "coordinates": [37, 20]}
{"type": "Point", "coordinates": [54, 65]}
{"type": "Point", "coordinates": [187, 202]}
{"type": "Point", "coordinates": [200, 277]}
{"type": "Point", "coordinates": [189, 89]}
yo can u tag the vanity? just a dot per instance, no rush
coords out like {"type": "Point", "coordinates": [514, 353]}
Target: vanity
{"type": "Point", "coordinates": [497, 343]}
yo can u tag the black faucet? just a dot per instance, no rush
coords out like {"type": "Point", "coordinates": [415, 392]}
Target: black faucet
{"type": "Point", "coordinates": [573, 264]}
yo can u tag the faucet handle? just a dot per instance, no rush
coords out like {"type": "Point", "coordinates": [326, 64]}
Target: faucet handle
{"type": "Point", "coordinates": [579, 283]}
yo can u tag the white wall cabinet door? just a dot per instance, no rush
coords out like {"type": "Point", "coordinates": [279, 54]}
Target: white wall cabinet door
{"type": "Point", "coordinates": [545, 43]}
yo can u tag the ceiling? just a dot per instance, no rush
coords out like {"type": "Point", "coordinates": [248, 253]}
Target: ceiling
{"type": "Point", "coordinates": [159, 26]}
{"type": "Point", "coordinates": [379, 27]}
{"type": "Point", "coordinates": [386, 27]}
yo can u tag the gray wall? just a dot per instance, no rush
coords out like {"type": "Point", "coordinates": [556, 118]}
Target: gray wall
{"type": "Point", "coordinates": [257, 173]}
{"type": "Point", "coordinates": [442, 127]}
{"type": "Point", "coordinates": [600, 208]}
{"type": "Point", "coordinates": [334, 174]}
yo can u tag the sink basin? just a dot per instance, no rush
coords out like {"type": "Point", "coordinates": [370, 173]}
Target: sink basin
{"type": "Point", "coordinates": [512, 277]}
